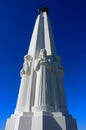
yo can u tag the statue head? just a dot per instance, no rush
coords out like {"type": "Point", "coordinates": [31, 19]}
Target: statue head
{"type": "Point", "coordinates": [43, 52]}
{"type": "Point", "coordinates": [27, 58]}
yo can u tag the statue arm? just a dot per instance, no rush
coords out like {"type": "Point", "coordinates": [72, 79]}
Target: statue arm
{"type": "Point", "coordinates": [45, 62]}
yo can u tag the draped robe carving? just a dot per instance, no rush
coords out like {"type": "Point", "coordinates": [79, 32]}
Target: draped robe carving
{"type": "Point", "coordinates": [43, 69]}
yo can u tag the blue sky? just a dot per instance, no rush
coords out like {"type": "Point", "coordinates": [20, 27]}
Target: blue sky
{"type": "Point", "coordinates": [68, 19]}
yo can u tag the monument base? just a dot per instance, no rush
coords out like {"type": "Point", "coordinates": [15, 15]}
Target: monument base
{"type": "Point", "coordinates": [41, 121]}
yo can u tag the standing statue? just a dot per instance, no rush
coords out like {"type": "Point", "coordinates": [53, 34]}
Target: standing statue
{"type": "Point", "coordinates": [25, 74]}
{"type": "Point", "coordinates": [43, 69]}
{"type": "Point", "coordinates": [26, 66]}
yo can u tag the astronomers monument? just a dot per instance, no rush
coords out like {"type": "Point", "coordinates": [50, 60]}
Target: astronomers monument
{"type": "Point", "coordinates": [41, 103]}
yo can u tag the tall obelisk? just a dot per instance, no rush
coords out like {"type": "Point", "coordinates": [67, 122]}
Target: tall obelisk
{"type": "Point", "coordinates": [41, 103]}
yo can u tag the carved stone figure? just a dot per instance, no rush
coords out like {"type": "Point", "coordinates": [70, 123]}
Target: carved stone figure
{"type": "Point", "coordinates": [27, 65]}
{"type": "Point", "coordinates": [43, 69]}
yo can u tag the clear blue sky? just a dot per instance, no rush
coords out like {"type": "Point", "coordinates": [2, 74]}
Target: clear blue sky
{"type": "Point", "coordinates": [68, 19]}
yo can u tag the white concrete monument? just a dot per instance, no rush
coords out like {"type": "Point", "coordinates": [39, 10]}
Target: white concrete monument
{"type": "Point", "coordinates": [41, 103]}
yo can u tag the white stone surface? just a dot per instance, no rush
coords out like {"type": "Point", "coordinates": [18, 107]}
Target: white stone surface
{"type": "Point", "coordinates": [41, 121]}
{"type": "Point", "coordinates": [41, 103]}
{"type": "Point", "coordinates": [42, 37]}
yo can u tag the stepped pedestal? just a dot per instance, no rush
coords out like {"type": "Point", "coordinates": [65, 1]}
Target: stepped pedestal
{"type": "Point", "coordinates": [41, 121]}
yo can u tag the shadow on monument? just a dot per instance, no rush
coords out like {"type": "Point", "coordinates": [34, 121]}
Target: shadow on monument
{"type": "Point", "coordinates": [50, 123]}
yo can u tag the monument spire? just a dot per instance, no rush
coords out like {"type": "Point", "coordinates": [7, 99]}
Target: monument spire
{"type": "Point", "coordinates": [41, 103]}
{"type": "Point", "coordinates": [42, 36]}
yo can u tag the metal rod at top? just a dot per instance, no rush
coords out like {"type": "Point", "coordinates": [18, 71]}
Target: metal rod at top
{"type": "Point", "coordinates": [42, 9]}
